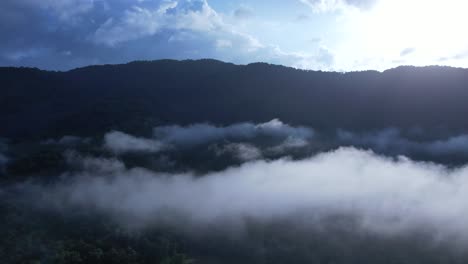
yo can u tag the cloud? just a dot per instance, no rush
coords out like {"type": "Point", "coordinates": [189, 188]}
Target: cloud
{"type": "Point", "coordinates": [392, 141]}
{"type": "Point", "coordinates": [382, 140]}
{"type": "Point", "coordinates": [277, 138]}
{"type": "Point", "coordinates": [457, 144]}
{"type": "Point", "coordinates": [67, 141]}
{"type": "Point", "coordinates": [119, 142]}
{"type": "Point", "coordinates": [323, 58]}
{"type": "Point", "coordinates": [302, 17]}
{"type": "Point", "coordinates": [457, 56]}
{"type": "Point", "coordinates": [20, 55]}
{"type": "Point", "coordinates": [136, 23]}
{"type": "Point", "coordinates": [139, 22]}
{"type": "Point", "coordinates": [98, 165]}
{"type": "Point", "coordinates": [387, 196]}
{"type": "Point", "coordinates": [361, 3]}
{"type": "Point", "coordinates": [290, 144]}
{"type": "Point", "coordinates": [241, 151]}
{"type": "Point", "coordinates": [186, 22]}
{"type": "Point", "coordinates": [407, 51]}
{"type": "Point", "coordinates": [243, 12]}
{"type": "Point", "coordinates": [202, 133]}
{"type": "Point", "coordinates": [61, 35]}
{"type": "Point", "coordinates": [334, 5]}
{"type": "Point", "coordinates": [223, 43]}
{"type": "Point", "coordinates": [68, 34]}
{"type": "Point", "coordinates": [65, 9]}
{"type": "Point", "coordinates": [168, 137]}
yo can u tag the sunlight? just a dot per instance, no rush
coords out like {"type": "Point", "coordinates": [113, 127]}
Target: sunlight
{"type": "Point", "coordinates": [430, 28]}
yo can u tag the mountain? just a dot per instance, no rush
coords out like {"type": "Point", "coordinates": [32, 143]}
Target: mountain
{"type": "Point", "coordinates": [135, 96]}
{"type": "Point", "coordinates": [97, 165]}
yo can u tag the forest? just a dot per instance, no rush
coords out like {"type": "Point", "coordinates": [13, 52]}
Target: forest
{"type": "Point", "coordinates": [211, 162]}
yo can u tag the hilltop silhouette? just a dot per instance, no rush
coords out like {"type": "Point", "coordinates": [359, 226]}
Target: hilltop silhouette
{"type": "Point", "coordinates": [94, 99]}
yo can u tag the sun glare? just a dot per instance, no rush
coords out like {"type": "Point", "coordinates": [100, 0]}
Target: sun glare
{"type": "Point", "coordinates": [402, 32]}
{"type": "Point", "coordinates": [428, 30]}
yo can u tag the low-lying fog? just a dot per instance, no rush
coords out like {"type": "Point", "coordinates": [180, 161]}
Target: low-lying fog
{"type": "Point", "coordinates": [264, 179]}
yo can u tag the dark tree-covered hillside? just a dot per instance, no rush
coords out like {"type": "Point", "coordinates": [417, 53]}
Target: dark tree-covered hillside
{"type": "Point", "coordinates": [98, 98]}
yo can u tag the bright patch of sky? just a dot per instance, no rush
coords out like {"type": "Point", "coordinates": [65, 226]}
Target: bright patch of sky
{"type": "Point", "coordinates": [340, 35]}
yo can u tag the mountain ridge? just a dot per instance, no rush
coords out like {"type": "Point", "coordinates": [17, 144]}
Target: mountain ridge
{"type": "Point", "coordinates": [97, 98]}
{"type": "Point", "coordinates": [435, 66]}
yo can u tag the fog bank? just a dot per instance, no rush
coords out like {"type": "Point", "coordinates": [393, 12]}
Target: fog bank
{"type": "Point", "coordinates": [388, 196]}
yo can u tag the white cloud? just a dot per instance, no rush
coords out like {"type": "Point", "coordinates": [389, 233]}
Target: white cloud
{"type": "Point", "coordinates": [289, 144]}
{"type": "Point", "coordinates": [277, 128]}
{"type": "Point", "coordinates": [136, 23]}
{"type": "Point", "coordinates": [141, 22]}
{"type": "Point", "coordinates": [183, 18]}
{"type": "Point", "coordinates": [223, 43]}
{"type": "Point", "coordinates": [98, 165]}
{"type": "Point", "coordinates": [204, 19]}
{"type": "Point", "coordinates": [322, 59]}
{"type": "Point", "coordinates": [334, 5]}
{"type": "Point", "coordinates": [241, 151]}
{"type": "Point", "coordinates": [203, 133]}
{"type": "Point", "coordinates": [325, 56]}
{"type": "Point", "coordinates": [388, 196]}
{"type": "Point", "coordinates": [355, 34]}
{"type": "Point", "coordinates": [166, 137]}
{"type": "Point", "coordinates": [323, 5]}
{"type": "Point", "coordinates": [186, 21]}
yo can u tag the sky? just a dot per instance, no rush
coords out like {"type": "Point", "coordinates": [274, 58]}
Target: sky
{"type": "Point", "coordinates": [328, 35]}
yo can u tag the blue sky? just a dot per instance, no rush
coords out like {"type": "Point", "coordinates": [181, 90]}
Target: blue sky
{"type": "Point", "coordinates": [339, 35]}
